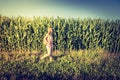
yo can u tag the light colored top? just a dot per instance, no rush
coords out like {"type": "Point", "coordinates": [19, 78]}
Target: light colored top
{"type": "Point", "coordinates": [48, 39]}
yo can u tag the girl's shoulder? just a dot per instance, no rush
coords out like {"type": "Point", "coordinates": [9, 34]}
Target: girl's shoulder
{"type": "Point", "coordinates": [47, 34]}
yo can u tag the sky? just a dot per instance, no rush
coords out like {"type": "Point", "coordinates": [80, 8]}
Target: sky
{"type": "Point", "coordinates": [105, 9]}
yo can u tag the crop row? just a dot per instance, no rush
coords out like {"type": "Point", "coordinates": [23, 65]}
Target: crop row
{"type": "Point", "coordinates": [21, 33]}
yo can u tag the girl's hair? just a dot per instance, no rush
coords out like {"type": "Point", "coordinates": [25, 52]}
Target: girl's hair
{"type": "Point", "coordinates": [50, 29]}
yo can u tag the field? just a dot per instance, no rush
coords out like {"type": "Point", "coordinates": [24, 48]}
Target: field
{"type": "Point", "coordinates": [75, 65]}
{"type": "Point", "coordinates": [84, 49]}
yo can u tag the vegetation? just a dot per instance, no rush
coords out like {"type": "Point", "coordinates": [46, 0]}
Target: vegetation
{"type": "Point", "coordinates": [76, 65]}
{"type": "Point", "coordinates": [84, 49]}
{"type": "Point", "coordinates": [20, 33]}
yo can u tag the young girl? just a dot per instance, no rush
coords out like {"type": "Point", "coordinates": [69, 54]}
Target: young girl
{"type": "Point", "coordinates": [48, 40]}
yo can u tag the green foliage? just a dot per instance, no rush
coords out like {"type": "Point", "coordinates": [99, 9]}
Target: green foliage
{"type": "Point", "coordinates": [76, 65]}
{"type": "Point", "coordinates": [21, 33]}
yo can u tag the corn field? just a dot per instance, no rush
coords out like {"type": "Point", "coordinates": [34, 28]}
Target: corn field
{"type": "Point", "coordinates": [26, 34]}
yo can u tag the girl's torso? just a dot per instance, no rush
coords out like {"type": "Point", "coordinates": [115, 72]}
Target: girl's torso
{"type": "Point", "coordinates": [49, 40]}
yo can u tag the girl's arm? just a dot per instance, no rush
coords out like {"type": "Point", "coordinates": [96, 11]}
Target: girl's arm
{"type": "Point", "coordinates": [45, 39]}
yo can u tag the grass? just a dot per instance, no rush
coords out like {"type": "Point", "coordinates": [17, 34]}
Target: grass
{"type": "Point", "coordinates": [74, 65]}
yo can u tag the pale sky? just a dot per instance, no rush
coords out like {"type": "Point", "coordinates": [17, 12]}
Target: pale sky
{"type": "Point", "coordinates": [106, 9]}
